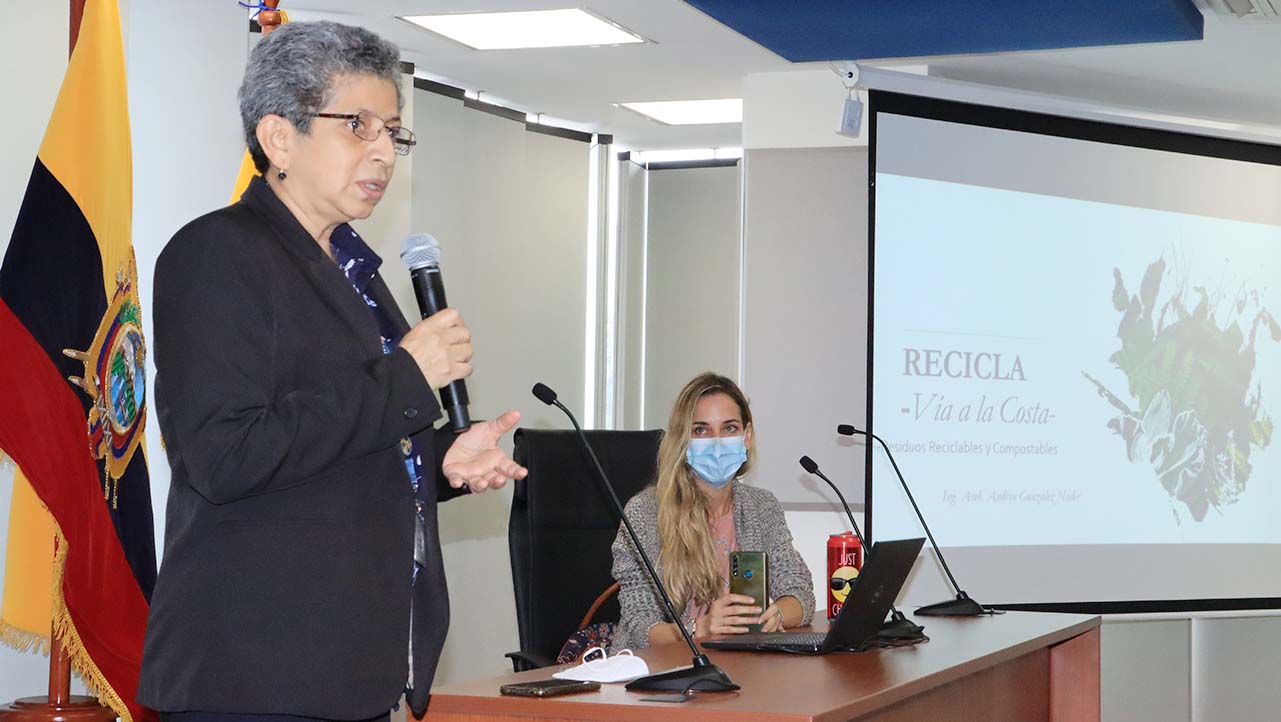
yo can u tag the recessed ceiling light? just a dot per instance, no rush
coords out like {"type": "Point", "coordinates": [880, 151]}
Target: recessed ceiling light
{"type": "Point", "coordinates": [686, 155]}
{"type": "Point", "coordinates": [526, 29]}
{"type": "Point", "coordinates": [691, 112]}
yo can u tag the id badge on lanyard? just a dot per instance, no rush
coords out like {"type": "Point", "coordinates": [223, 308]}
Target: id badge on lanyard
{"type": "Point", "coordinates": [420, 541]}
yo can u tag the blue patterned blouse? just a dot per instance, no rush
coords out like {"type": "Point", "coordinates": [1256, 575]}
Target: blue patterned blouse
{"type": "Point", "coordinates": [359, 263]}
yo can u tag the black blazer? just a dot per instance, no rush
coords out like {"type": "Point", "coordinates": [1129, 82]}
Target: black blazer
{"type": "Point", "coordinates": [285, 582]}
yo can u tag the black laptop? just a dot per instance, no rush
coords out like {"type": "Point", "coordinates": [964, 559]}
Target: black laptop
{"type": "Point", "coordinates": [858, 622]}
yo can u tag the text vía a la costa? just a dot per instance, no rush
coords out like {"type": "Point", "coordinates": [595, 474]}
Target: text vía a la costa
{"type": "Point", "coordinates": [1010, 410]}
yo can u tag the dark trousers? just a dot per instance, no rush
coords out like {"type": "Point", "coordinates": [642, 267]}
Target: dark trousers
{"type": "Point", "coordinates": [235, 717]}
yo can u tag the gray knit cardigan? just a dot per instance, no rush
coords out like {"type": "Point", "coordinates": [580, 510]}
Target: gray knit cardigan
{"type": "Point", "coordinates": [759, 525]}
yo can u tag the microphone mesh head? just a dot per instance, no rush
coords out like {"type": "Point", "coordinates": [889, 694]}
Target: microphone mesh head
{"type": "Point", "coordinates": [419, 251]}
{"type": "Point", "coordinates": [544, 393]}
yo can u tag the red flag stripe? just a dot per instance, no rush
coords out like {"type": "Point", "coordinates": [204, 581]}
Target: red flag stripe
{"type": "Point", "coordinates": [43, 429]}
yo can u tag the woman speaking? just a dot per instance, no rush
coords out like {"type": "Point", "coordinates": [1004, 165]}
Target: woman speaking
{"type": "Point", "coordinates": [302, 573]}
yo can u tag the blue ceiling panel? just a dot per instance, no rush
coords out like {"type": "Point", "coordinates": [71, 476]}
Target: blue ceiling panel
{"type": "Point", "coordinates": [807, 30]}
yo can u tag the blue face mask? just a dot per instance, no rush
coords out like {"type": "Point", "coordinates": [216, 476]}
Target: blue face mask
{"type": "Point", "coordinates": [716, 461]}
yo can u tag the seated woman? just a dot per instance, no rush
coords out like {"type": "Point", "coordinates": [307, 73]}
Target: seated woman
{"type": "Point", "coordinates": [694, 516]}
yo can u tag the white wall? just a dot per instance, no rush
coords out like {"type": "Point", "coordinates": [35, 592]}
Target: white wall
{"type": "Point", "coordinates": [805, 317]}
{"type": "Point", "coordinates": [692, 281]}
{"type": "Point", "coordinates": [633, 216]}
{"type": "Point", "coordinates": [1146, 671]}
{"type": "Point", "coordinates": [509, 208]}
{"type": "Point", "coordinates": [33, 58]}
{"type": "Point", "coordinates": [32, 62]}
{"type": "Point", "coordinates": [796, 109]}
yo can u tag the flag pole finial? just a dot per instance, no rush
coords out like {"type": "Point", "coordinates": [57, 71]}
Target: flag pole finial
{"type": "Point", "coordinates": [267, 14]}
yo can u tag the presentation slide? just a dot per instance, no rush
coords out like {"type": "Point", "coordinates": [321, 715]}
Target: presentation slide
{"type": "Point", "coordinates": [1076, 356]}
{"type": "Point", "coordinates": [1058, 371]}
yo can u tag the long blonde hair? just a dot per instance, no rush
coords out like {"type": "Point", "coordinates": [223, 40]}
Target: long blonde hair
{"type": "Point", "coordinates": [691, 570]}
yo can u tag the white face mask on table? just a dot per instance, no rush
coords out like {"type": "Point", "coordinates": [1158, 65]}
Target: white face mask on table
{"type": "Point", "coordinates": [622, 667]}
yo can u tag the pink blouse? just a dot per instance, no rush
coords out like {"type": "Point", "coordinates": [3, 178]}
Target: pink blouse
{"type": "Point", "coordinates": [725, 539]}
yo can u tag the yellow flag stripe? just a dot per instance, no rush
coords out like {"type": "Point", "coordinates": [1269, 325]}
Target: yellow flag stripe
{"type": "Point", "coordinates": [86, 146]}
{"type": "Point", "coordinates": [246, 174]}
{"type": "Point", "coordinates": [25, 612]}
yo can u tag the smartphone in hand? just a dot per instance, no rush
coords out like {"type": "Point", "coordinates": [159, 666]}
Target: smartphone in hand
{"type": "Point", "coordinates": [749, 575]}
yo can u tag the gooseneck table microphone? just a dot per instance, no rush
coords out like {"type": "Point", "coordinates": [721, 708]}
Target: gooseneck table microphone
{"type": "Point", "coordinates": [962, 605]}
{"type": "Point", "coordinates": [702, 674]}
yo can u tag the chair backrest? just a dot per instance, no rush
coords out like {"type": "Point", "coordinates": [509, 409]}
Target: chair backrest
{"type": "Point", "coordinates": [562, 526]}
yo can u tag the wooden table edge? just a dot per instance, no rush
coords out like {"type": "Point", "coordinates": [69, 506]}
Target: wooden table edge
{"type": "Point", "coordinates": [463, 706]}
{"type": "Point", "coordinates": [920, 685]}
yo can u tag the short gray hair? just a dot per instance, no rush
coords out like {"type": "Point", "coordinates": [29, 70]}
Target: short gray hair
{"type": "Point", "coordinates": [291, 73]}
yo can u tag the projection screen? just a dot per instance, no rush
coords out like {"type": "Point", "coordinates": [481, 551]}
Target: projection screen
{"type": "Point", "coordinates": [1074, 357]}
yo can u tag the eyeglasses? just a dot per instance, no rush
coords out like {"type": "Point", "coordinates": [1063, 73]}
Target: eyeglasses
{"type": "Point", "coordinates": [368, 126]}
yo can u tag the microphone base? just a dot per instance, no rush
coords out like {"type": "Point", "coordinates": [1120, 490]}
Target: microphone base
{"type": "Point", "coordinates": [962, 606]}
{"type": "Point", "coordinates": [702, 676]}
{"type": "Point", "coordinates": [901, 628]}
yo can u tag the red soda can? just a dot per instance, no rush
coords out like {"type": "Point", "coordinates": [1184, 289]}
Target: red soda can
{"type": "Point", "coordinates": [844, 560]}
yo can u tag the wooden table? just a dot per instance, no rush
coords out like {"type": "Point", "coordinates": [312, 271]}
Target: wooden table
{"type": "Point", "coordinates": [1020, 667]}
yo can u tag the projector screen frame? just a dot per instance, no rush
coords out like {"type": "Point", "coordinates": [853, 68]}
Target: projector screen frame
{"type": "Point", "coordinates": [1059, 126]}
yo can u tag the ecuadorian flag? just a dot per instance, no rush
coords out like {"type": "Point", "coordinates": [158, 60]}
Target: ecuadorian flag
{"type": "Point", "coordinates": [81, 553]}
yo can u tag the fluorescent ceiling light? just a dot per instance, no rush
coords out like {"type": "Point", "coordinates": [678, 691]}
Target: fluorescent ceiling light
{"type": "Point", "coordinates": [691, 112]}
{"type": "Point", "coordinates": [526, 29]}
{"type": "Point", "coordinates": [685, 155]}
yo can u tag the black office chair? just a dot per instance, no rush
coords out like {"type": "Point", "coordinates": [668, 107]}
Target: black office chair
{"type": "Point", "coordinates": [562, 526]}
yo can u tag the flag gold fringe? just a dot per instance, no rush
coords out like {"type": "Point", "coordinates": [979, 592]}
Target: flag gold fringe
{"type": "Point", "coordinates": [22, 639]}
{"type": "Point", "coordinates": [65, 629]}
{"type": "Point", "coordinates": [63, 626]}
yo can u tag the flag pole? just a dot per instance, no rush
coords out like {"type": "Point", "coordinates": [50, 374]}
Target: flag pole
{"type": "Point", "coordinates": [77, 13]}
{"type": "Point", "coordinates": [60, 705]}
{"type": "Point", "coordinates": [59, 672]}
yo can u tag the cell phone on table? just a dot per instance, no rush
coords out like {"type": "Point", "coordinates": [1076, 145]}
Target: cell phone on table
{"type": "Point", "coordinates": [548, 688]}
{"type": "Point", "coordinates": [749, 576]}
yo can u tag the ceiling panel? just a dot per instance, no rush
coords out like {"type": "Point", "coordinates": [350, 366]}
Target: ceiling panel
{"type": "Point", "coordinates": [866, 29]}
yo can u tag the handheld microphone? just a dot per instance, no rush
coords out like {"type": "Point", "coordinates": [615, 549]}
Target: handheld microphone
{"type": "Point", "coordinates": [421, 252]}
{"type": "Point", "coordinates": [681, 679]}
{"type": "Point", "coordinates": [899, 626]}
{"type": "Point", "coordinates": [962, 606]}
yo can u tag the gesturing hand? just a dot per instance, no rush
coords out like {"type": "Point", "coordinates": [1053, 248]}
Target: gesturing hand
{"type": "Point", "coordinates": [475, 460]}
{"type": "Point", "coordinates": [441, 346]}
